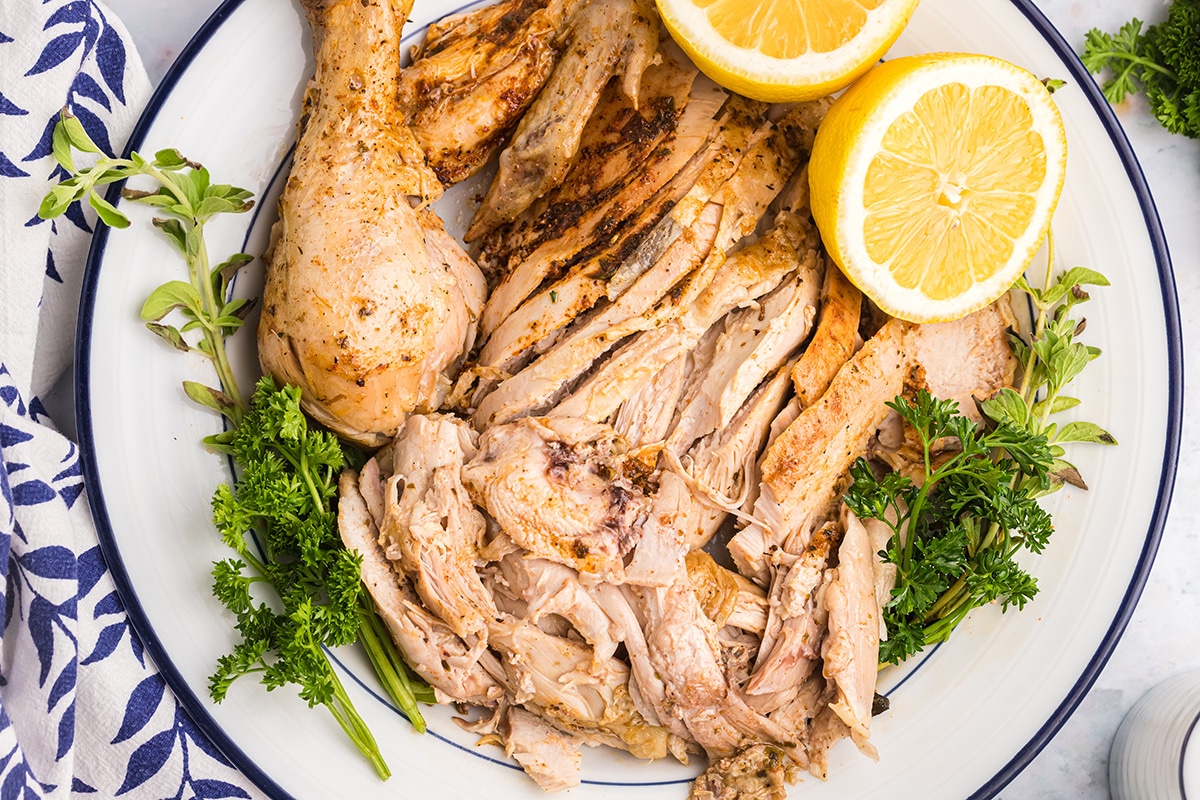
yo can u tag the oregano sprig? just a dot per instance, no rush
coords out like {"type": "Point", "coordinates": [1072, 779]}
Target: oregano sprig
{"type": "Point", "coordinates": [957, 531]}
{"type": "Point", "coordinates": [186, 197]}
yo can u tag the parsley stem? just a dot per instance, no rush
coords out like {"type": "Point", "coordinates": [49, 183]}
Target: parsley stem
{"type": "Point", "coordinates": [388, 666]}
{"type": "Point", "coordinates": [353, 725]}
{"type": "Point", "coordinates": [1133, 60]}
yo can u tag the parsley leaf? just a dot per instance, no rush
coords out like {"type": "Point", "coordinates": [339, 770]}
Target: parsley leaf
{"type": "Point", "coordinates": [959, 528]}
{"type": "Point", "coordinates": [1162, 62]}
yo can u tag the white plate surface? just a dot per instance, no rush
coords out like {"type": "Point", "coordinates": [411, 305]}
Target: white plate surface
{"type": "Point", "coordinates": [963, 721]}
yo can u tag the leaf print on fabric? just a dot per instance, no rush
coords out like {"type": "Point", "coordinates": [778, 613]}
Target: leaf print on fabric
{"type": "Point", "coordinates": [66, 732]}
{"type": "Point", "coordinates": [141, 707]}
{"type": "Point", "coordinates": [41, 623]}
{"type": "Point", "coordinates": [51, 270]}
{"type": "Point", "coordinates": [10, 436]}
{"type": "Point", "coordinates": [200, 740]}
{"type": "Point", "coordinates": [10, 170]}
{"type": "Point", "coordinates": [73, 12]}
{"type": "Point", "coordinates": [208, 788]}
{"type": "Point", "coordinates": [147, 760]}
{"type": "Point", "coordinates": [106, 643]}
{"type": "Point", "coordinates": [9, 108]}
{"type": "Point", "coordinates": [20, 783]}
{"type": "Point", "coordinates": [53, 561]}
{"type": "Point", "coordinates": [64, 683]}
{"type": "Point", "coordinates": [91, 570]}
{"type": "Point", "coordinates": [109, 604]}
{"type": "Point", "coordinates": [86, 86]}
{"type": "Point", "coordinates": [43, 148]}
{"type": "Point", "coordinates": [110, 57]}
{"type": "Point", "coordinates": [9, 393]}
{"type": "Point", "coordinates": [32, 493]}
{"type": "Point", "coordinates": [75, 215]}
{"type": "Point", "coordinates": [56, 51]}
{"type": "Point", "coordinates": [94, 126]}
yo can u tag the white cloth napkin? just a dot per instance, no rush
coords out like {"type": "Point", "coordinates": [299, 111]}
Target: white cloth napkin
{"type": "Point", "coordinates": [83, 711]}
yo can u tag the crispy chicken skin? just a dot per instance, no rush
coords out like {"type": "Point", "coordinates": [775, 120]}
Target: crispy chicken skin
{"type": "Point", "coordinates": [358, 309]}
{"type": "Point", "coordinates": [608, 36]}
{"type": "Point", "coordinates": [475, 76]}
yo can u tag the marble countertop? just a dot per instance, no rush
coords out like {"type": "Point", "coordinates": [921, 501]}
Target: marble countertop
{"type": "Point", "coordinates": [1163, 638]}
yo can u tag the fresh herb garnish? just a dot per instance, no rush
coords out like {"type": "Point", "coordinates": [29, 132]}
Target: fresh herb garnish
{"type": "Point", "coordinates": [287, 493]}
{"type": "Point", "coordinates": [1163, 62]}
{"type": "Point", "coordinates": [187, 199]}
{"type": "Point", "coordinates": [957, 534]}
{"type": "Point", "coordinates": [281, 518]}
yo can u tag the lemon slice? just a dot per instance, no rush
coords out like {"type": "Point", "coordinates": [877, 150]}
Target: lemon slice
{"type": "Point", "coordinates": [933, 180]}
{"type": "Point", "coordinates": [785, 50]}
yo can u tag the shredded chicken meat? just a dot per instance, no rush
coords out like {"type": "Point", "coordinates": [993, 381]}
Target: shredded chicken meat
{"type": "Point", "coordinates": [624, 524]}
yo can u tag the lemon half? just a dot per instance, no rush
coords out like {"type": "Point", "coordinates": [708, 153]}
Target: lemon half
{"type": "Point", "coordinates": [934, 179]}
{"type": "Point", "coordinates": [785, 50]}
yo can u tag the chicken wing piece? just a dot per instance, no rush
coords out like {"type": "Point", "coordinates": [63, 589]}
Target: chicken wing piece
{"type": "Point", "coordinates": [358, 309]}
{"type": "Point", "coordinates": [607, 36]}
{"type": "Point", "coordinates": [475, 76]}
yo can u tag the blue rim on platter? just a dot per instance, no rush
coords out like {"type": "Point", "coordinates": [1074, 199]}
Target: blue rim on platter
{"type": "Point", "coordinates": [198, 710]}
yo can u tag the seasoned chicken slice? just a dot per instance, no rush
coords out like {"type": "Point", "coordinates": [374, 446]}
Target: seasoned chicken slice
{"type": "Point", "coordinates": [720, 467]}
{"type": "Point", "coordinates": [475, 75]}
{"type": "Point", "coordinates": [456, 671]}
{"type": "Point", "coordinates": [755, 343]}
{"type": "Point", "coordinates": [968, 358]}
{"type": "Point", "coordinates": [607, 37]}
{"type": "Point", "coordinates": [553, 485]}
{"type": "Point", "coordinates": [547, 754]}
{"type": "Point", "coordinates": [676, 247]}
{"type": "Point", "coordinates": [803, 467]}
{"type": "Point", "coordinates": [834, 340]}
{"type": "Point", "coordinates": [645, 418]}
{"type": "Point", "coordinates": [431, 526]}
{"type": "Point", "coordinates": [851, 649]}
{"type": "Point", "coordinates": [750, 274]}
{"type": "Point", "coordinates": [617, 141]}
{"type": "Point", "coordinates": [551, 675]}
{"type": "Point", "coordinates": [542, 383]}
{"type": "Point", "coordinates": [550, 588]}
{"type": "Point", "coordinates": [567, 274]}
{"type": "Point", "coordinates": [684, 649]}
{"type": "Point", "coordinates": [795, 623]}
{"type": "Point", "coordinates": [357, 310]}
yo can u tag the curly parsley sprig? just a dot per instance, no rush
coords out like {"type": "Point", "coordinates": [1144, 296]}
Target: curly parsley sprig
{"type": "Point", "coordinates": [284, 505]}
{"type": "Point", "coordinates": [1162, 62]}
{"type": "Point", "coordinates": [957, 532]}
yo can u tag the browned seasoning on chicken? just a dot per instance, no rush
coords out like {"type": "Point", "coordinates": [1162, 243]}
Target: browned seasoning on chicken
{"type": "Point", "coordinates": [624, 526]}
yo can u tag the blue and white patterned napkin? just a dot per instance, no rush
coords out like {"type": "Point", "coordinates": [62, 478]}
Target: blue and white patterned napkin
{"type": "Point", "coordinates": [83, 711]}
